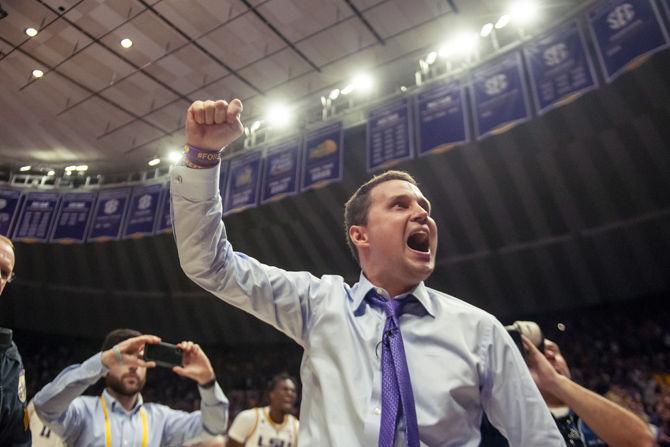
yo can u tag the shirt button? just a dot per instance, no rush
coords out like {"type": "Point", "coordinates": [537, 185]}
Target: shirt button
{"type": "Point", "coordinates": [380, 291]}
{"type": "Point", "coordinates": [178, 179]}
{"type": "Point", "coordinates": [378, 411]}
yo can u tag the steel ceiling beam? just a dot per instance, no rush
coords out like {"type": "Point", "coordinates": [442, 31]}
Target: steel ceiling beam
{"type": "Point", "coordinates": [365, 22]}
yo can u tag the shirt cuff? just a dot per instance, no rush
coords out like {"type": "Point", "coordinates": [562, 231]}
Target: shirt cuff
{"type": "Point", "coordinates": [94, 367]}
{"type": "Point", "coordinates": [212, 395]}
{"type": "Point", "coordinates": [195, 184]}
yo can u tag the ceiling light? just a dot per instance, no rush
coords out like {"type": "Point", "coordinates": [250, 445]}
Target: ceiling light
{"type": "Point", "coordinates": [25, 168]}
{"type": "Point", "coordinates": [70, 168]}
{"type": "Point", "coordinates": [523, 12]}
{"type": "Point", "coordinates": [334, 94]}
{"type": "Point", "coordinates": [154, 161]}
{"type": "Point", "coordinates": [348, 89]}
{"type": "Point", "coordinates": [68, 172]}
{"type": "Point", "coordinates": [126, 43]}
{"type": "Point", "coordinates": [174, 156]}
{"type": "Point", "coordinates": [486, 29]}
{"type": "Point", "coordinates": [255, 126]}
{"type": "Point", "coordinates": [81, 168]}
{"type": "Point", "coordinates": [51, 172]}
{"type": "Point", "coordinates": [278, 115]}
{"type": "Point", "coordinates": [32, 32]}
{"type": "Point", "coordinates": [502, 22]}
{"type": "Point", "coordinates": [362, 82]}
{"type": "Point", "coordinates": [431, 58]}
{"type": "Point", "coordinates": [445, 50]}
{"type": "Point", "coordinates": [37, 73]}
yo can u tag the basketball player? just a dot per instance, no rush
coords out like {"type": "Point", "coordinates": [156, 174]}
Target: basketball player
{"type": "Point", "coordinates": [271, 426]}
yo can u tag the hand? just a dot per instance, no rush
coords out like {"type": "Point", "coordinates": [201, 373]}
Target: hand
{"type": "Point", "coordinates": [131, 352]}
{"type": "Point", "coordinates": [196, 364]}
{"type": "Point", "coordinates": [545, 376]}
{"type": "Point", "coordinates": [213, 125]}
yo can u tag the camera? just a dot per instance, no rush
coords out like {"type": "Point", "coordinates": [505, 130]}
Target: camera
{"type": "Point", "coordinates": [531, 330]}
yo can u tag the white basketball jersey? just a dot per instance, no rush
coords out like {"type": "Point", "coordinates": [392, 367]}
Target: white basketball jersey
{"type": "Point", "coordinates": [42, 435]}
{"type": "Point", "coordinates": [255, 428]}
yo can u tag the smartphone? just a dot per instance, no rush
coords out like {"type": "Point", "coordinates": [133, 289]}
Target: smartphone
{"type": "Point", "coordinates": [164, 354]}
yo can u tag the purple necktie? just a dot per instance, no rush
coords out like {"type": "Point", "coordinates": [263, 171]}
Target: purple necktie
{"type": "Point", "coordinates": [397, 393]}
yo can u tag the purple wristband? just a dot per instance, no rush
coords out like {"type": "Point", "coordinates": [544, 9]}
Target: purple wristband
{"type": "Point", "coordinates": [201, 157]}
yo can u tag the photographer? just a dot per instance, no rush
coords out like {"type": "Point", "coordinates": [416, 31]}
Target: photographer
{"type": "Point", "coordinates": [119, 416]}
{"type": "Point", "coordinates": [577, 410]}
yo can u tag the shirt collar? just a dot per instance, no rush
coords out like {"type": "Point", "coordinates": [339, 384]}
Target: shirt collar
{"type": "Point", "coordinates": [364, 285]}
{"type": "Point", "coordinates": [115, 405]}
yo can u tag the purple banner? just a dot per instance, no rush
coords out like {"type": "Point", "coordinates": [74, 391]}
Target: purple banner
{"type": "Point", "coordinates": [559, 67]}
{"type": "Point", "coordinates": [9, 207]}
{"type": "Point", "coordinates": [164, 223]}
{"type": "Point", "coordinates": [280, 171]}
{"type": "Point", "coordinates": [73, 217]}
{"type": "Point", "coordinates": [499, 95]}
{"type": "Point", "coordinates": [143, 210]}
{"type": "Point", "coordinates": [625, 32]}
{"type": "Point", "coordinates": [389, 135]}
{"type": "Point", "coordinates": [109, 213]}
{"type": "Point", "coordinates": [243, 185]}
{"type": "Point", "coordinates": [322, 157]}
{"type": "Point", "coordinates": [441, 118]}
{"type": "Point", "coordinates": [37, 215]}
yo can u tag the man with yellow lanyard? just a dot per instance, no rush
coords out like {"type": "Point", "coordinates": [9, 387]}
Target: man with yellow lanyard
{"type": "Point", "coordinates": [119, 417]}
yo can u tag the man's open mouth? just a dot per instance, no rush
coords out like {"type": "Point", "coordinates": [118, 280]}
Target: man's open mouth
{"type": "Point", "coordinates": [419, 241]}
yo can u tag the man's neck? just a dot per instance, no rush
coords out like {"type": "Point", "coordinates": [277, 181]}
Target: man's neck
{"type": "Point", "coordinates": [392, 289]}
{"type": "Point", "coordinates": [127, 402]}
{"type": "Point", "coordinates": [277, 415]}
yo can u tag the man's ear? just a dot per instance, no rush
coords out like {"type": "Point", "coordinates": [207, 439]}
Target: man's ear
{"type": "Point", "coordinates": [359, 236]}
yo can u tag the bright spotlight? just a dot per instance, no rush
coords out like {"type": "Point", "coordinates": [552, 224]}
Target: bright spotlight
{"type": "Point", "coordinates": [465, 43]}
{"type": "Point", "coordinates": [431, 58]}
{"type": "Point", "coordinates": [502, 22]}
{"type": "Point", "coordinates": [68, 172]}
{"type": "Point", "coordinates": [25, 168]}
{"type": "Point", "coordinates": [486, 30]}
{"type": "Point", "coordinates": [51, 172]}
{"type": "Point", "coordinates": [362, 82]}
{"type": "Point", "coordinates": [334, 94]}
{"type": "Point", "coordinates": [445, 50]}
{"type": "Point", "coordinates": [348, 89]}
{"type": "Point", "coordinates": [255, 126]}
{"type": "Point", "coordinates": [523, 12]}
{"type": "Point", "coordinates": [37, 73]}
{"type": "Point", "coordinates": [126, 43]}
{"type": "Point", "coordinates": [31, 32]}
{"type": "Point", "coordinates": [154, 161]}
{"type": "Point", "coordinates": [81, 168]}
{"type": "Point", "coordinates": [174, 156]}
{"type": "Point", "coordinates": [278, 115]}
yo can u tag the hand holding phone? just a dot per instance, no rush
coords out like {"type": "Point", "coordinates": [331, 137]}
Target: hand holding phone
{"type": "Point", "coordinates": [164, 354]}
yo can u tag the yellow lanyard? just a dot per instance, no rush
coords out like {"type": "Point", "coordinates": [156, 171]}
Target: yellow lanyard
{"type": "Point", "coordinates": [108, 430]}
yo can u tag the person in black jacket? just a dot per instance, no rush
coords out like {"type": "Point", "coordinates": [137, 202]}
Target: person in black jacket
{"type": "Point", "coordinates": [14, 429]}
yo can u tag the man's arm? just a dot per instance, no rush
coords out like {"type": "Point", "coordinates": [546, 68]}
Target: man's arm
{"type": "Point", "coordinates": [510, 399]}
{"type": "Point", "coordinates": [612, 423]}
{"type": "Point", "coordinates": [54, 403]}
{"type": "Point", "coordinates": [213, 415]}
{"type": "Point", "coordinates": [277, 297]}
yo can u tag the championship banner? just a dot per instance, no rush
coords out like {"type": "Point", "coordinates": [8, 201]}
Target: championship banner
{"type": "Point", "coordinates": [73, 217]}
{"type": "Point", "coordinates": [109, 214]}
{"type": "Point", "coordinates": [9, 207]}
{"type": "Point", "coordinates": [243, 182]}
{"type": "Point", "coordinates": [441, 118]}
{"type": "Point", "coordinates": [280, 171]}
{"type": "Point", "coordinates": [626, 33]}
{"type": "Point", "coordinates": [559, 66]}
{"type": "Point", "coordinates": [499, 96]}
{"type": "Point", "coordinates": [388, 135]}
{"type": "Point", "coordinates": [143, 210]}
{"type": "Point", "coordinates": [37, 215]}
{"type": "Point", "coordinates": [322, 157]}
{"type": "Point", "coordinates": [164, 223]}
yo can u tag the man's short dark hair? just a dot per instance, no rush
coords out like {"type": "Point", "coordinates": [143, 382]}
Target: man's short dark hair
{"type": "Point", "coordinates": [117, 336]}
{"type": "Point", "coordinates": [272, 384]}
{"type": "Point", "coordinates": [357, 207]}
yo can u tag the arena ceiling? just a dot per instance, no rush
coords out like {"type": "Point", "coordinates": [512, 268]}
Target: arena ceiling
{"type": "Point", "coordinates": [114, 108]}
